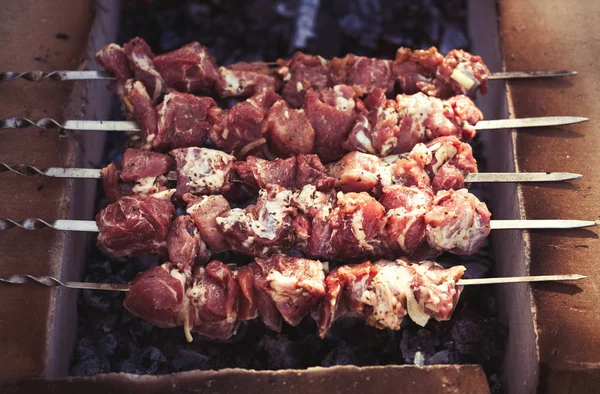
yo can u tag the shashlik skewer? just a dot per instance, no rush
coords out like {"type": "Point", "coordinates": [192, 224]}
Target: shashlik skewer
{"type": "Point", "coordinates": [191, 69]}
{"type": "Point", "coordinates": [91, 75]}
{"type": "Point", "coordinates": [283, 288]}
{"type": "Point", "coordinates": [50, 281]}
{"type": "Point", "coordinates": [131, 126]}
{"type": "Point", "coordinates": [444, 163]}
{"type": "Point", "coordinates": [406, 221]}
{"type": "Point", "coordinates": [476, 177]}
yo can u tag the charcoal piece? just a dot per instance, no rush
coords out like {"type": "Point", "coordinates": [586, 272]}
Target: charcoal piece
{"type": "Point", "coordinates": [187, 360]}
{"type": "Point", "coordinates": [147, 361]}
{"type": "Point", "coordinates": [481, 339]}
{"type": "Point", "coordinates": [90, 366]}
{"type": "Point", "coordinates": [152, 360]}
{"type": "Point", "coordinates": [421, 341]}
{"type": "Point", "coordinates": [85, 348]}
{"type": "Point", "coordinates": [281, 353]}
{"type": "Point", "coordinates": [341, 355]}
{"type": "Point", "coordinates": [106, 345]}
{"type": "Point", "coordinates": [97, 299]}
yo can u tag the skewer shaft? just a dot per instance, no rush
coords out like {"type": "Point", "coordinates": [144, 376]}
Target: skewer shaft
{"type": "Point", "coordinates": [53, 282]}
{"type": "Point", "coordinates": [66, 75]}
{"type": "Point", "coordinates": [497, 177]}
{"type": "Point", "coordinates": [115, 125]}
{"type": "Point", "coordinates": [90, 225]}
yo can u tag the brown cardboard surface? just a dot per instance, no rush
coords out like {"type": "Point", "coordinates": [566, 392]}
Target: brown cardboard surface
{"type": "Point", "coordinates": [549, 35]}
{"type": "Point", "coordinates": [29, 31]}
{"type": "Point", "coordinates": [392, 379]}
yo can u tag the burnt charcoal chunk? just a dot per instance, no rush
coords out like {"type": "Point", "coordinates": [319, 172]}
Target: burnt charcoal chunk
{"type": "Point", "coordinates": [187, 360]}
{"type": "Point", "coordinates": [480, 340]}
{"type": "Point", "coordinates": [148, 361]}
{"type": "Point", "coordinates": [107, 344]}
{"type": "Point", "coordinates": [281, 353]}
{"type": "Point", "coordinates": [422, 341]}
{"type": "Point", "coordinates": [341, 355]}
{"type": "Point", "coordinates": [97, 299]}
{"type": "Point", "coordinates": [85, 348]}
{"type": "Point", "coordinates": [91, 366]}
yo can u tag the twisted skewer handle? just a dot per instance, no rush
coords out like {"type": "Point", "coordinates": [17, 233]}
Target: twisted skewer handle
{"type": "Point", "coordinates": [37, 223]}
{"type": "Point", "coordinates": [81, 125]}
{"type": "Point", "coordinates": [59, 75]}
{"type": "Point", "coordinates": [55, 172]}
{"type": "Point", "coordinates": [50, 281]}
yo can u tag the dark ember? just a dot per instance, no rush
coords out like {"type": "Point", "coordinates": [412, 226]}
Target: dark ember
{"type": "Point", "coordinates": [110, 339]}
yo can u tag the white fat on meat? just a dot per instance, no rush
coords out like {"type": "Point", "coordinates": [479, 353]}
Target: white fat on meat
{"type": "Point", "coordinates": [410, 217]}
{"type": "Point", "coordinates": [442, 153]}
{"type": "Point", "coordinates": [341, 102]}
{"type": "Point", "coordinates": [197, 293]}
{"type": "Point", "coordinates": [461, 231]}
{"type": "Point", "coordinates": [309, 199]}
{"type": "Point", "coordinates": [145, 186]}
{"type": "Point", "coordinates": [165, 194]}
{"type": "Point", "coordinates": [200, 168]}
{"type": "Point", "coordinates": [357, 224]}
{"type": "Point", "coordinates": [463, 74]}
{"type": "Point", "coordinates": [285, 288]}
{"type": "Point", "coordinates": [183, 315]}
{"type": "Point", "coordinates": [418, 107]}
{"type": "Point", "coordinates": [233, 84]}
{"type": "Point", "coordinates": [270, 220]}
{"type": "Point", "coordinates": [391, 297]}
{"type": "Point", "coordinates": [422, 154]}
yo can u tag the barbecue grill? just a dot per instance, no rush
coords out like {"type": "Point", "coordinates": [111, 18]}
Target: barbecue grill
{"type": "Point", "coordinates": [511, 257]}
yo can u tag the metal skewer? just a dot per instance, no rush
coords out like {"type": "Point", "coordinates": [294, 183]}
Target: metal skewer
{"type": "Point", "coordinates": [53, 282]}
{"type": "Point", "coordinates": [92, 173]}
{"type": "Point", "coordinates": [122, 125]}
{"type": "Point", "coordinates": [90, 225]}
{"type": "Point", "coordinates": [66, 75]}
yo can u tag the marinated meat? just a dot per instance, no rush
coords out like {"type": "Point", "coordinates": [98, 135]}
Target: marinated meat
{"type": "Point", "coordinates": [214, 298]}
{"type": "Point", "coordinates": [139, 105]}
{"type": "Point", "coordinates": [332, 113]}
{"type": "Point", "coordinates": [384, 292]}
{"type": "Point", "coordinates": [182, 121]}
{"type": "Point", "coordinates": [138, 164]}
{"type": "Point", "coordinates": [240, 129]}
{"type": "Point", "coordinates": [184, 244]}
{"type": "Point", "coordinates": [288, 130]}
{"type": "Point", "coordinates": [362, 72]}
{"type": "Point", "coordinates": [158, 296]}
{"type": "Point", "coordinates": [140, 58]}
{"type": "Point", "coordinates": [414, 71]}
{"type": "Point", "coordinates": [189, 69]}
{"type": "Point", "coordinates": [457, 222]}
{"type": "Point", "coordinates": [302, 73]}
{"type": "Point", "coordinates": [391, 127]}
{"type": "Point", "coordinates": [246, 79]}
{"type": "Point", "coordinates": [111, 182]}
{"type": "Point", "coordinates": [113, 58]}
{"type": "Point", "coordinates": [263, 228]}
{"type": "Point", "coordinates": [292, 173]}
{"type": "Point", "coordinates": [202, 171]}
{"type": "Point", "coordinates": [204, 210]}
{"type": "Point", "coordinates": [287, 287]}
{"type": "Point", "coordinates": [464, 72]}
{"type": "Point", "coordinates": [134, 225]}
{"type": "Point", "coordinates": [357, 222]}
{"type": "Point", "coordinates": [451, 160]}
{"type": "Point", "coordinates": [405, 217]}
{"type": "Point", "coordinates": [259, 173]}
